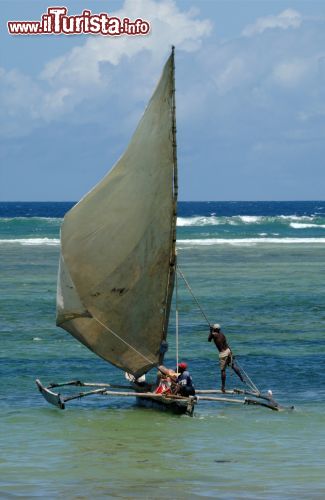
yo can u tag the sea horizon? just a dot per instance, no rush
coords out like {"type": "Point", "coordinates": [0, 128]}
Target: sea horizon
{"type": "Point", "coordinates": [183, 201]}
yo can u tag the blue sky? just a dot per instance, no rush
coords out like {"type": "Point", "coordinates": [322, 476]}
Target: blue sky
{"type": "Point", "coordinates": [250, 82]}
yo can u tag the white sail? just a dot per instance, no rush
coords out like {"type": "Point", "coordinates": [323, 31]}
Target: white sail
{"type": "Point", "coordinates": [118, 246]}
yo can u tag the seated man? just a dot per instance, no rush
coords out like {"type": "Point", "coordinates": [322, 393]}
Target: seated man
{"type": "Point", "coordinates": [184, 381]}
{"type": "Point", "coordinates": [166, 380]}
{"type": "Point", "coordinates": [164, 384]}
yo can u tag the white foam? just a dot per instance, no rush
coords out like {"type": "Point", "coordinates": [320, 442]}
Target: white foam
{"type": "Point", "coordinates": [250, 241]}
{"type": "Point", "coordinates": [235, 220]}
{"type": "Point", "coordinates": [32, 241]}
{"type": "Point", "coordinates": [213, 220]}
{"type": "Point", "coordinates": [198, 221]}
{"type": "Point", "coordinates": [250, 219]}
{"type": "Point", "coordinates": [296, 225]}
{"type": "Point", "coordinates": [33, 219]}
{"type": "Point", "coordinates": [297, 217]}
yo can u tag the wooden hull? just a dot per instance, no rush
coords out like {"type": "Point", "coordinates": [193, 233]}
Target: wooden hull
{"type": "Point", "coordinates": [180, 407]}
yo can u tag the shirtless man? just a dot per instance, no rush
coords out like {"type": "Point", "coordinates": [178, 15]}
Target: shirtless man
{"type": "Point", "coordinates": [225, 354]}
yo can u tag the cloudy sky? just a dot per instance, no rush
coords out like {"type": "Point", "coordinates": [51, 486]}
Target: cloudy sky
{"type": "Point", "coordinates": [250, 83]}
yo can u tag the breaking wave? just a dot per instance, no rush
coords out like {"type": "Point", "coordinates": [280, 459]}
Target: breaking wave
{"type": "Point", "coordinates": [237, 220]}
{"type": "Point", "coordinates": [299, 225]}
{"type": "Point", "coordinates": [249, 241]}
{"type": "Point", "coordinates": [31, 219]}
{"type": "Point", "coordinates": [31, 241]}
{"type": "Point", "coordinates": [198, 221]}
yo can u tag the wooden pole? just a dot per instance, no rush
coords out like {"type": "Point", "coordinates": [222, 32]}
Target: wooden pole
{"type": "Point", "coordinates": [176, 319]}
{"type": "Point", "coordinates": [224, 400]}
{"type": "Point", "coordinates": [83, 395]}
{"type": "Point", "coordinates": [213, 391]}
{"type": "Point", "coordinates": [104, 392]}
{"type": "Point", "coordinates": [242, 401]}
{"type": "Point", "coordinates": [145, 395]}
{"type": "Point", "coordinates": [173, 257]}
{"type": "Point", "coordinates": [78, 383]}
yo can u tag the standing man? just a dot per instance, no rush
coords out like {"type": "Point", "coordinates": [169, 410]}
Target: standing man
{"type": "Point", "coordinates": [225, 354]}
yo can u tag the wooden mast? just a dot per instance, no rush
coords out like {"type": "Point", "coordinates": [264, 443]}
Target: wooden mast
{"type": "Point", "coordinates": [172, 261]}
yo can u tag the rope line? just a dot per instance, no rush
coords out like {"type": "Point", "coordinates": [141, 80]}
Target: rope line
{"type": "Point", "coordinates": [124, 341]}
{"type": "Point", "coordinates": [191, 292]}
{"type": "Point", "coordinates": [248, 380]}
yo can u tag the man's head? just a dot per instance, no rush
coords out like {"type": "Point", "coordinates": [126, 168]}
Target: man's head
{"type": "Point", "coordinates": [216, 327]}
{"type": "Point", "coordinates": [182, 367]}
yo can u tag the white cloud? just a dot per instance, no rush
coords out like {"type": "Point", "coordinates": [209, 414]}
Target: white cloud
{"type": "Point", "coordinates": [292, 73]}
{"type": "Point", "coordinates": [289, 18]}
{"type": "Point", "coordinates": [20, 98]}
{"type": "Point", "coordinates": [232, 75]}
{"type": "Point", "coordinates": [95, 68]}
{"type": "Point", "coordinates": [266, 88]}
{"type": "Point", "coordinates": [169, 26]}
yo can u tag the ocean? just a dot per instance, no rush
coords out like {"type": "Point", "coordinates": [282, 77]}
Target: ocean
{"type": "Point", "coordinates": [258, 269]}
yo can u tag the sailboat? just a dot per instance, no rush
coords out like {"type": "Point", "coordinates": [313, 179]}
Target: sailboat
{"type": "Point", "coordinates": [118, 259]}
{"type": "Point", "coordinates": [117, 263]}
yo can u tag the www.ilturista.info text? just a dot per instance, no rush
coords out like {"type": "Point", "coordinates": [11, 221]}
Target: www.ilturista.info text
{"type": "Point", "coordinates": [56, 21]}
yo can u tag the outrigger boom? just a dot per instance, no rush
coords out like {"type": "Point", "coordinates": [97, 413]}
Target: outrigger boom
{"type": "Point", "coordinates": [178, 404]}
{"type": "Point", "coordinates": [174, 402]}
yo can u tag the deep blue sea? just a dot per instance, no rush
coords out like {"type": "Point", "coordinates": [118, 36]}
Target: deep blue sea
{"type": "Point", "coordinates": [258, 269]}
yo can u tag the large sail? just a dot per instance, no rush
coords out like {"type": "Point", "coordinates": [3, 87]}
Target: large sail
{"type": "Point", "coordinates": [118, 246]}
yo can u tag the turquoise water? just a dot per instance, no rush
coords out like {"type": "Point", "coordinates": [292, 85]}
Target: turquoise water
{"type": "Point", "coordinates": [269, 298]}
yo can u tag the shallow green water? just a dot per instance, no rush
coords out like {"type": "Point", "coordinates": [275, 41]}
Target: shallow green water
{"type": "Point", "coordinates": [270, 301]}
{"type": "Point", "coordinates": [228, 453]}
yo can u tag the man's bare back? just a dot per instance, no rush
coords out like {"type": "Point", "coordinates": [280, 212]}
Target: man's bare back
{"type": "Point", "coordinates": [219, 339]}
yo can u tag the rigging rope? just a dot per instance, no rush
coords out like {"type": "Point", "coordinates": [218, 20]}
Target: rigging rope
{"type": "Point", "coordinates": [124, 341]}
{"type": "Point", "coordinates": [191, 292]}
{"type": "Point", "coordinates": [248, 381]}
